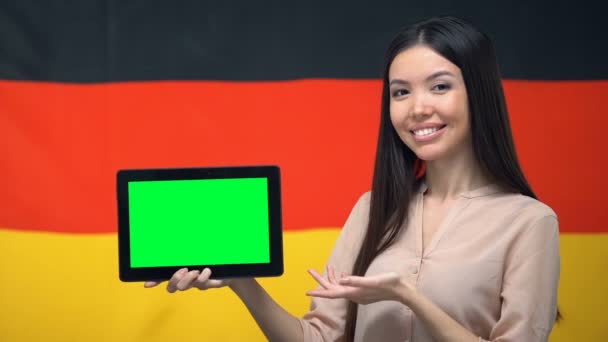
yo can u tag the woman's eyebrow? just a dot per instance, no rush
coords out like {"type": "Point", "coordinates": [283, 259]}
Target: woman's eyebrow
{"type": "Point", "coordinates": [438, 74]}
{"type": "Point", "coordinates": [430, 77]}
{"type": "Point", "coordinates": [398, 81]}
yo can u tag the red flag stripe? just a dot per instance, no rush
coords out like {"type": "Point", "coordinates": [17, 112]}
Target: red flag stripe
{"type": "Point", "coordinates": [63, 143]}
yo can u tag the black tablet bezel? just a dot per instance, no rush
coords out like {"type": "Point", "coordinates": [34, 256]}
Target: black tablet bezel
{"type": "Point", "coordinates": [272, 173]}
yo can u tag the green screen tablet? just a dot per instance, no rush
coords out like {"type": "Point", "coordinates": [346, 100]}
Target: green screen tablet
{"type": "Point", "coordinates": [227, 219]}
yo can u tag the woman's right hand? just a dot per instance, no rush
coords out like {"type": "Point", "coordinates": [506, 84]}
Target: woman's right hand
{"type": "Point", "coordinates": [183, 280]}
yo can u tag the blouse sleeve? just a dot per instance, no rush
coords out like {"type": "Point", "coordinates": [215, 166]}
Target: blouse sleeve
{"type": "Point", "coordinates": [529, 293]}
{"type": "Point", "coordinates": [326, 319]}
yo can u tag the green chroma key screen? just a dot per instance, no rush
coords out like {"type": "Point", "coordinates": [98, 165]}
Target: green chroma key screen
{"type": "Point", "coordinates": [199, 222]}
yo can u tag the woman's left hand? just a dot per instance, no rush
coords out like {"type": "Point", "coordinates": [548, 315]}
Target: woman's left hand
{"type": "Point", "coordinates": [362, 290]}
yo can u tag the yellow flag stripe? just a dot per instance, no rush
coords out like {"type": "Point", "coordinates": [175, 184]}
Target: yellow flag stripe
{"type": "Point", "coordinates": [62, 287]}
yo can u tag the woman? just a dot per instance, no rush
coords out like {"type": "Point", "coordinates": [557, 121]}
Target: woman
{"type": "Point", "coordinates": [450, 244]}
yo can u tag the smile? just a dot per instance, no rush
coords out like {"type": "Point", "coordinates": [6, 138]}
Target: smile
{"type": "Point", "coordinates": [428, 133]}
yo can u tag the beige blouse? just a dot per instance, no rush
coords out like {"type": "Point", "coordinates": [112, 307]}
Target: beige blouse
{"type": "Point", "coordinates": [492, 265]}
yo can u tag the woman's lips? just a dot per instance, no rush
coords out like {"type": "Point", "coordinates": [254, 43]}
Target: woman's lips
{"type": "Point", "coordinates": [428, 133]}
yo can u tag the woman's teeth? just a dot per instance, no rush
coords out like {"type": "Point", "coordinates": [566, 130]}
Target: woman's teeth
{"type": "Point", "coordinates": [425, 131]}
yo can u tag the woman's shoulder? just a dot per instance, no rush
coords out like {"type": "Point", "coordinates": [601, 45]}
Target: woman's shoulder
{"type": "Point", "coordinates": [365, 198]}
{"type": "Point", "coordinates": [360, 210]}
{"type": "Point", "coordinates": [515, 213]}
{"type": "Point", "coordinates": [527, 224]}
{"type": "Point", "coordinates": [362, 206]}
{"type": "Point", "coordinates": [523, 205]}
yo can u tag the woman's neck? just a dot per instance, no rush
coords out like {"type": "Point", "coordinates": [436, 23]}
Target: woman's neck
{"type": "Point", "coordinates": [449, 177]}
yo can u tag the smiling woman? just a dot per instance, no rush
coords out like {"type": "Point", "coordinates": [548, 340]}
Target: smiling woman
{"type": "Point", "coordinates": [464, 252]}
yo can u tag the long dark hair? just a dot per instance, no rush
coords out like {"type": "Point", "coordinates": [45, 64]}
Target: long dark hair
{"type": "Point", "coordinates": [395, 181]}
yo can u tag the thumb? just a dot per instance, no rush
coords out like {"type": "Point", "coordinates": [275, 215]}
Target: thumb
{"type": "Point", "coordinates": [149, 284]}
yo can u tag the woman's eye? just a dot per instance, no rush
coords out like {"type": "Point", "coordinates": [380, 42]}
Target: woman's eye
{"type": "Point", "coordinates": [400, 92]}
{"type": "Point", "coordinates": [441, 87]}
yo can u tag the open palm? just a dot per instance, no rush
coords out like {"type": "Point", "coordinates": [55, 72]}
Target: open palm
{"type": "Point", "coordinates": [361, 290]}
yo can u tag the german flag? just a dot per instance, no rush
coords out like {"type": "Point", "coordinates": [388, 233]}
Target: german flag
{"type": "Point", "coordinates": [89, 87]}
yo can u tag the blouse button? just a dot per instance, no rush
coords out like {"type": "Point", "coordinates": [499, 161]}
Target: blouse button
{"type": "Point", "coordinates": [414, 269]}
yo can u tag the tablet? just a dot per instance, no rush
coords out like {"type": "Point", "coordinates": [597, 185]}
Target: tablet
{"type": "Point", "coordinates": [226, 218]}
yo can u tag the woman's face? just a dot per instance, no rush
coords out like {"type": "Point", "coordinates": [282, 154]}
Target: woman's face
{"type": "Point", "coordinates": [428, 104]}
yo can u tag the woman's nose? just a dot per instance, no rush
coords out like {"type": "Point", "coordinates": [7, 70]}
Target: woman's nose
{"type": "Point", "coordinates": [420, 106]}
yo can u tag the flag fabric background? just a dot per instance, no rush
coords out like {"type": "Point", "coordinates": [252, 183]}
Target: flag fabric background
{"type": "Point", "coordinates": [90, 87]}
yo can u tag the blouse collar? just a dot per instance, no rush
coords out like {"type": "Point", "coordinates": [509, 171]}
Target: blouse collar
{"type": "Point", "coordinates": [485, 190]}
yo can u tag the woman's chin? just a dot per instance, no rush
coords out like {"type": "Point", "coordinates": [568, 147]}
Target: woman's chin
{"type": "Point", "coordinates": [429, 156]}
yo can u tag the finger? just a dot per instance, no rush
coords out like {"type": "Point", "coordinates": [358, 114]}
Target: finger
{"type": "Point", "coordinates": [331, 275]}
{"type": "Point", "coordinates": [186, 282]}
{"type": "Point", "coordinates": [215, 283]}
{"type": "Point", "coordinates": [177, 276]}
{"type": "Point", "coordinates": [152, 283]}
{"type": "Point", "coordinates": [323, 293]}
{"type": "Point", "coordinates": [201, 280]}
{"type": "Point", "coordinates": [209, 283]}
{"type": "Point", "coordinates": [341, 292]}
{"type": "Point", "coordinates": [356, 281]}
{"type": "Point", "coordinates": [319, 278]}
{"type": "Point", "coordinates": [206, 274]}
